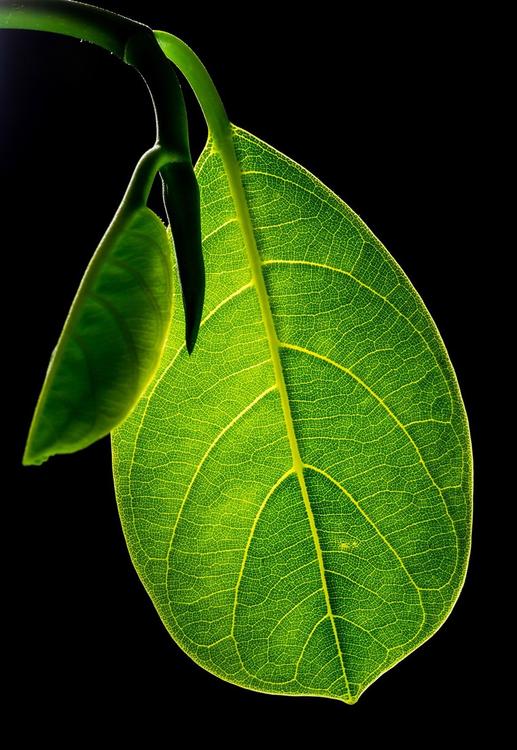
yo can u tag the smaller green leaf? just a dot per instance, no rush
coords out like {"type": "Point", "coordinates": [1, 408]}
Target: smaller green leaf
{"type": "Point", "coordinates": [112, 340]}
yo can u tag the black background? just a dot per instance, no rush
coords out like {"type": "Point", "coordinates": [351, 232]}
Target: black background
{"type": "Point", "coordinates": [382, 116]}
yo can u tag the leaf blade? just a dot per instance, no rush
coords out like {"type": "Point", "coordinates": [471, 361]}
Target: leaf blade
{"type": "Point", "coordinates": [111, 342]}
{"type": "Point", "coordinates": [332, 290]}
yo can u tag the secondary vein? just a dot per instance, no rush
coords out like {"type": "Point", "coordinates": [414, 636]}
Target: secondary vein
{"type": "Point", "coordinates": [393, 416]}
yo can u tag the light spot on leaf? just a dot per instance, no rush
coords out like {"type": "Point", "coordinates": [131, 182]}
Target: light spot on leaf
{"type": "Point", "coordinates": [349, 545]}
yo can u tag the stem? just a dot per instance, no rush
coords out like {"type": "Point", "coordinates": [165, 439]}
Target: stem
{"type": "Point", "coordinates": [107, 30]}
{"type": "Point", "coordinates": [136, 45]}
{"type": "Point", "coordinates": [199, 79]}
{"type": "Point", "coordinates": [130, 40]}
{"type": "Point", "coordinates": [141, 182]}
{"type": "Point", "coordinates": [219, 128]}
{"type": "Point", "coordinates": [145, 55]}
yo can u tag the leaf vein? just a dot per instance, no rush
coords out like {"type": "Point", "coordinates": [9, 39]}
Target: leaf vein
{"type": "Point", "coordinates": [379, 534]}
{"type": "Point", "coordinates": [210, 448]}
{"type": "Point", "coordinates": [235, 174]}
{"type": "Point", "coordinates": [278, 261]}
{"type": "Point", "coordinates": [364, 385]}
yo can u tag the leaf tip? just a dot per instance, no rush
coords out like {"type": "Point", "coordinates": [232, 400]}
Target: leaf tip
{"type": "Point", "coordinates": [33, 459]}
{"type": "Point", "coordinates": [193, 310]}
{"type": "Point", "coordinates": [191, 337]}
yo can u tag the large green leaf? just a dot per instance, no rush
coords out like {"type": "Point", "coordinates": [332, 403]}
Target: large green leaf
{"type": "Point", "coordinates": [296, 494]}
{"type": "Point", "coordinates": [111, 342]}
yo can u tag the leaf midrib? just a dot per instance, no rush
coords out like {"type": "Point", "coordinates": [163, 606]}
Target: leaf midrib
{"type": "Point", "coordinates": [234, 176]}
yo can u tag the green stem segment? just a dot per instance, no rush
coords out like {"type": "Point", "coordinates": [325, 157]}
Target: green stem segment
{"type": "Point", "coordinates": [202, 85]}
{"type": "Point", "coordinates": [219, 126]}
{"type": "Point", "coordinates": [135, 43]}
{"type": "Point", "coordinates": [105, 29]}
{"type": "Point", "coordinates": [137, 192]}
{"type": "Point", "coordinates": [143, 53]}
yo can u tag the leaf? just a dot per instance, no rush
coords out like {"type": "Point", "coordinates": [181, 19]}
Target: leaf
{"type": "Point", "coordinates": [112, 340]}
{"type": "Point", "coordinates": [181, 198]}
{"type": "Point", "coordinates": [296, 495]}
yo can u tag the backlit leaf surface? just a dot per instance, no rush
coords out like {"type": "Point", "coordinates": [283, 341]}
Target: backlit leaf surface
{"type": "Point", "coordinates": [296, 498]}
